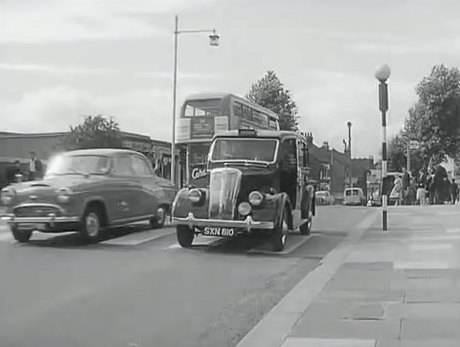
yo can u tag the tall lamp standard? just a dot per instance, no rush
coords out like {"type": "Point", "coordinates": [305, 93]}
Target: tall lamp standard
{"type": "Point", "coordinates": [382, 74]}
{"type": "Point", "coordinates": [349, 153]}
{"type": "Point", "coordinates": [213, 41]}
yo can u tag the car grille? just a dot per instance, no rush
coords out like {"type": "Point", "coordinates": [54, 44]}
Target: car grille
{"type": "Point", "coordinates": [36, 211]}
{"type": "Point", "coordinates": [224, 187]}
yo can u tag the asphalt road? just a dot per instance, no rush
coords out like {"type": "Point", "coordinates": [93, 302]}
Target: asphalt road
{"type": "Point", "coordinates": [141, 289]}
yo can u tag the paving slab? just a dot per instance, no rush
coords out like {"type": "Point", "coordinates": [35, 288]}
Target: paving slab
{"type": "Point", "coordinates": [369, 266]}
{"type": "Point", "coordinates": [428, 329]}
{"type": "Point", "coordinates": [432, 273]}
{"type": "Point", "coordinates": [426, 343]}
{"type": "Point", "coordinates": [363, 296]}
{"type": "Point", "coordinates": [423, 311]}
{"type": "Point", "coordinates": [426, 296]}
{"type": "Point", "coordinates": [436, 283]}
{"type": "Point", "coordinates": [347, 328]}
{"type": "Point", "coordinates": [312, 342]}
{"type": "Point", "coordinates": [359, 283]}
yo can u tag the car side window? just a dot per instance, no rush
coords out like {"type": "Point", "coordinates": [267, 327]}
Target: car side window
{"type": "Point", "coordinates": [122, 166]}
{"type": "Point", "coordinates": [140, 167]}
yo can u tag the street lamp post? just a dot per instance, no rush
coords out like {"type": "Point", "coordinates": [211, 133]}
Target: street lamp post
{"type": "Point", "coordinates": [213, 41]}
{"type": "Point", "coordinates": [382, 74]}
{"type": "Point", "coordinates": [350, 184]}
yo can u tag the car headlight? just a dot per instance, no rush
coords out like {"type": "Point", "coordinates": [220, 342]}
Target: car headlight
{"type": "Point", "coordinates": [195, 195]}
{"type": "Point", "coordinates": [244, 208]}
{"type": "Point", "coordinates": [63, 195]}
{"type": "Point", "coordinates": [256, 198]}
{"type": "Point", "coordinates": [7, 196]}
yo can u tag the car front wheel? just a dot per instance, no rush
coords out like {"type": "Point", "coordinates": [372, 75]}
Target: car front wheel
{"type": "Point", "coordinates": [305, 228]}
{"type": "Point", "coordinates": [279, 235]}
{"type": "Point", "coordinates": [91, 225]}
{"type": "Point", "coordinates": [185, 236]}
{"type": "Point", "coordinates": [21, 235]}
{"type": "Point", "coordinates": [158, 221]}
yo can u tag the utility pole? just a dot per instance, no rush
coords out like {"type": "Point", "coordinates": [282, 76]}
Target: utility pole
{"type": "Point", "coordinates": [349, 153]}
{"type": "Point", "coordinates": [382, 74]}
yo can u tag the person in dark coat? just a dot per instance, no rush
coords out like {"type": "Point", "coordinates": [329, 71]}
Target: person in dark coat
{"type": "Point", "coordinates": [430, 186]}
{"type": "Point", "coordinates": [35, 167]}
{"type": "Point", "coordinates": [405, 185]}
{"type": "Point", "coordinates": [12, 171]}
{"type": "Point", "coordinates": [440, 178]}
{"type": "Point", "coordinates": [454, 191]}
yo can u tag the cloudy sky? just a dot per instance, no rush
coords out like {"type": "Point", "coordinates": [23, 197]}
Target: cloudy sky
{"type": "Point", "coordinates": [62, 59]}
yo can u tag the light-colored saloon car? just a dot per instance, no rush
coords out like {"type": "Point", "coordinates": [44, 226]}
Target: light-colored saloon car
{"type": "Point", "coordinates": [89, 191]}
{"type": "Point", "coordinates": [324, 197]}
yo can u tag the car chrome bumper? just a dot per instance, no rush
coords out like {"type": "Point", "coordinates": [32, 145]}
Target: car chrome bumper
{"type": "Point", "coordinates": [246, 224]}
{"type": "Point", "coordinates": [12, 219]}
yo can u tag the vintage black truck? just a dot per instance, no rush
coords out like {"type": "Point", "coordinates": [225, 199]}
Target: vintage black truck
{"type": "Point", "coordinates": [257, 181]}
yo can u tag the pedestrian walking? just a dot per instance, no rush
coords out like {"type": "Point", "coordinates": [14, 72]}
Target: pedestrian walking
{"type": "Point", "coordinates": [405, 185]}
{"type": "Point", "coordinates": [421, 185]}
{"type": "Point", "coordinates": [430, 187]}
{"type": "Point", "coordinates": [454, 191]}
{"type": "Point", "coordinates": [35, 167]}
{"type": "Point", "coordinates": [397, 191]}
{"type": "Point", "coordinates": [411, 193]}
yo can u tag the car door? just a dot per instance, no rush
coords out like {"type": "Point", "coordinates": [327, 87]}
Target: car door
{"type": "Point", "coordinates": [148, 193]}
{"type": "Point", "coordinates": [123, 195]}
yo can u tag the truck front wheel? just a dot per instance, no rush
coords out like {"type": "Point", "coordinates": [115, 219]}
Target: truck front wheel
{"type": "Point", "coordinates": [185, 236]}
{"type": "Point", "coordinates": [279, 235]}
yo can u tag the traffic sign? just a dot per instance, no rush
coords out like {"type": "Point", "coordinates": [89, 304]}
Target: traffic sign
{"type": "Point", "coordinates": [414, 144]}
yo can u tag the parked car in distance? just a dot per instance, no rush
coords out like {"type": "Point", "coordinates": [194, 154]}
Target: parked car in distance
{"type": "Point", "coordinates": [257, 182]}
{"type": "Point", "coordinates": [88, 191]}
{"type": "Point", "coordinates": [324, 197]}
{"type": "Point", "coordinates": [354, 196]}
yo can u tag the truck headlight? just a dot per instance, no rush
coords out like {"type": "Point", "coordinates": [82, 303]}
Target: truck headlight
{"type": "Point", "coordinates": [195, 195]}
{"type": "Point", "coordinates": [7, 196]}
{"type": "Point", "coordinates": [244, 208]}
{"type": "Point", "coordinates": [63, 195]}
{"type": "Point", "coordinates": [256, 198]}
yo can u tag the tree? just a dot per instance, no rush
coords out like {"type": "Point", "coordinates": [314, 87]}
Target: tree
{"type": "Point", "coordinates": [397, 154]}
{"type": "Point", "coordinates": [435, 118]}
{"type": "Point", "coordinates": [94, 132]}
{"type": "Point", "coordinates": [270, 93]}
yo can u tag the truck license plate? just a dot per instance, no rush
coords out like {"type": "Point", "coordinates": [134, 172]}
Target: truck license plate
{"type": "Point", "coordinates": [219, 231]}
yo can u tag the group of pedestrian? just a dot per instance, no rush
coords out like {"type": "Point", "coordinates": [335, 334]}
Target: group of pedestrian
{"type": "Point", "coordinates": [435, 187]}
{"type": "Point", "coordinates": [429, 187]}
{"type": "Point", "coordinates": [34, 170]}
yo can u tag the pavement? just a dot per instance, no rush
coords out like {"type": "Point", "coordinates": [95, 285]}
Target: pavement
{"type": "Point", "coordinates": [399, 288]}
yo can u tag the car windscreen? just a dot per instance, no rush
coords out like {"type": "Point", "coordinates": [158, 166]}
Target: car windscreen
{"type": "Point", "coordinates": [78, 164]}
{"type": "Point", "coordinates": [244, 149]}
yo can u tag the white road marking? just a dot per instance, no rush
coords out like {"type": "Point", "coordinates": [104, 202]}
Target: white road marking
{"type": "Point", "coordinates": [200, 241]}
{"type": "Point", "coordinates": [138, 238]}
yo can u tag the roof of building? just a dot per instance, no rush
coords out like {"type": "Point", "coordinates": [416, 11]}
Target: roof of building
{"type": "Point", "coordinates": [100, 151]}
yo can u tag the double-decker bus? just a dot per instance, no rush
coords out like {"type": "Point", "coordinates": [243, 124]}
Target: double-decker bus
{"type": "Point", "coordinates": [204, 115]}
